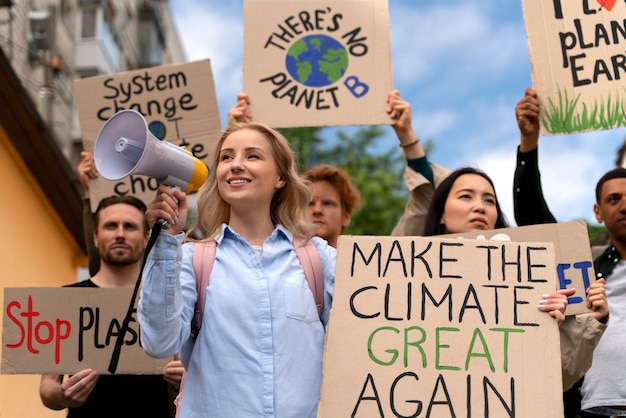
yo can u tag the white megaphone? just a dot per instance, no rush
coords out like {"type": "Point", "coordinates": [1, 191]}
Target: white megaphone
{"type": "Point", "coordinates": [126, 146]}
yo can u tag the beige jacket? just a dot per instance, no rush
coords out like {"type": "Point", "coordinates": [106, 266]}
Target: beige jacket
{"type": "Point", "coordinates": [420, 195]}
{"type": "Point", "coordinates": [579, 334]}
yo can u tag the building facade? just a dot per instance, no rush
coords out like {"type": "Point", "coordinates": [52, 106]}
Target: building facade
{"type": "Point", "coordinates": [45, 45]}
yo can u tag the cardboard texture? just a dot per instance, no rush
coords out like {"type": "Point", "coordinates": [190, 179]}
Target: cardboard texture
{"type": "Point", "coordinates": [574, 261]}
{"type": "Point", "coordinates": [317, 63]}
{"type": "Point", "coordinates": [578, 63]}
{"type": "Point", "coordinates": [64, 330]}
{"type": "Point", "coordinates": [439, 327]}
{"type": "Point", "coordinates": [178, 102]}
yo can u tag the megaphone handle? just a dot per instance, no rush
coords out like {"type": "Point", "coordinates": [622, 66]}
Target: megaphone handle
{"type": "Point", "coordinates": [164, 224]}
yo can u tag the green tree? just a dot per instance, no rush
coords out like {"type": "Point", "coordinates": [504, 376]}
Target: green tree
{"type": "Point", "coordinates": [307, 144]}
{"type": "Point", "coordinates": [377, 175]}
{"type": "Point", "coordinates": [597, 234]}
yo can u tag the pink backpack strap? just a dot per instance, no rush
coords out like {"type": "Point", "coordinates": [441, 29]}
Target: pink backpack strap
{"type": "Point", "coordinates": [202, 259]}
{"type": "Point", "coordinates": [312, 266]}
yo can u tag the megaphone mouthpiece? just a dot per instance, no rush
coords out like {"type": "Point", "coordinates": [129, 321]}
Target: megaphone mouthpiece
{"type": "Point", "coordinates": [126, 146]}
{"type": "Point", "coordinates": [129, 148]}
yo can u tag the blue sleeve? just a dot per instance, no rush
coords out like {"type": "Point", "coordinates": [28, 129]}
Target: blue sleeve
{"type": "Point", "coordinates": [168, 295]}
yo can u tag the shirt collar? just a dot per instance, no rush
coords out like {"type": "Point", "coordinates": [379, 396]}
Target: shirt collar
{"type": "Point", "coordinates": [606, 262]}
{"type": "Point", "coordinates": [227, 231]}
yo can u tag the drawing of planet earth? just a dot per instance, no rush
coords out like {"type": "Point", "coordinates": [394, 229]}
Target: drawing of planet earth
{"type": "Point", "coordinates": [317, 61]}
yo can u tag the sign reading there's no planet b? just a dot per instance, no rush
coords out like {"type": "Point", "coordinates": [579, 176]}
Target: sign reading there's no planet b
{"type": "Point", "coordinates": [317, 63]}
{"type": "Point", "coordinates": [577, 51]}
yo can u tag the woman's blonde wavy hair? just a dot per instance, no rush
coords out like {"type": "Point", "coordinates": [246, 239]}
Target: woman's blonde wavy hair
{"type": "Point", "coordinates": [289, 203]}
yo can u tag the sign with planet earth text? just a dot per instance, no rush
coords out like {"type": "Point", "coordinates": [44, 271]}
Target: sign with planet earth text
{"type": "Point", "coordinates": [317, 63]}
{"type": "Point", "coordinates": [577, 52]}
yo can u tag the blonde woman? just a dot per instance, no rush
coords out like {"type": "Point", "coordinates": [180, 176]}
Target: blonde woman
{"type": "Point", "coordinates": [259, 352]}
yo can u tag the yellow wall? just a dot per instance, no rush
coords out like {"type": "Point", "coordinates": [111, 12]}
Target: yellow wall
{"type": "Point", "coordinates": [35, 250]}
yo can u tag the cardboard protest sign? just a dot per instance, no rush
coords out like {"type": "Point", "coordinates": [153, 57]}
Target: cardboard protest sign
{"type": "Point", "coordinates": [574, 262]}
{"type": "Point", "coordinates": [64, 330]}
{"type": "Point", "coordinates": [578, 63]}
{"type": "Point", "coordinates": [179, 105]}
{"type": "Point", "coordinates": [317, 63]}
{"type": "Point", "coordinates": [441, 327]}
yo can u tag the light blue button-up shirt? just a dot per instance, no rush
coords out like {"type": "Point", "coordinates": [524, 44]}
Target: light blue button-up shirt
{"type": "Point", "coordinates": [259, 352]}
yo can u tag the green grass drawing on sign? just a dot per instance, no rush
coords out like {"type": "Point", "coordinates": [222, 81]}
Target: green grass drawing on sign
{"type": "Point", "coordinates": [563, 118]}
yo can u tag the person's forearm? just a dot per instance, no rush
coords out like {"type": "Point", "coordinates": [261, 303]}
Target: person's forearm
{"type": "Point", "coordinates": [160, 332]}
{"type": "Point", "coordinates": [528, 142]}
{"type": "Point", "coordinates": [51, 394]}
{"type": "Point", "coordinates": [410, 143]}
{"type": "Point", "coordinates": [529, 204]}
{"type": "Point", "coordinates": [93, 256]}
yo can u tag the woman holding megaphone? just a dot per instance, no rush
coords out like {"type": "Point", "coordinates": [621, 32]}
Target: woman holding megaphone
{"type": "Point", "coordinates": [259, 352]}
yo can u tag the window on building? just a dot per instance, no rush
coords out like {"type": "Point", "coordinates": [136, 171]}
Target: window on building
{"type": "Point", "coordinates": [151, 36]}
{"type": "Point", "coordinates": [65, 12]}
{"type": "Point", "coordinates": [88, 23]}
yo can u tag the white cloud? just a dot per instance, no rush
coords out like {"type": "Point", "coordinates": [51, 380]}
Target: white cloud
{"type": "Point", "coordinates": [452, 40]}
{"type": "Point", "coordinates": [570, 168]}
{"type": "Point", "coordinates": [433, 125]}
{"type": "Point", "coordinates": [499, 164]}
{"type": "Point", "coordinates": [214, 31]}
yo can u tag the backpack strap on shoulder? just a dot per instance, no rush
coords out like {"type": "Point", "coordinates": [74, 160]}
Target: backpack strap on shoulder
{"type": "Point", "coordinates": [202, 259]}
{"type": "Point", "coordinates": [312, 266]}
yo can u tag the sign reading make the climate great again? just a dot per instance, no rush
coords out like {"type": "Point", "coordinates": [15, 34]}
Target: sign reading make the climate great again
{"type": "Point", "coordinates": [317, 63]}
{"type": "Point", "coordinates": [441, 327]}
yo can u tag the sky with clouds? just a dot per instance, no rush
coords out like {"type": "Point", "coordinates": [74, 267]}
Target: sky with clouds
{"type": "Point", "coordinates": [463, 65]}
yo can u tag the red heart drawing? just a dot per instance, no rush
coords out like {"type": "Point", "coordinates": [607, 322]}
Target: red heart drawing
{"type": "Point", "coordinates": [607, 4]}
